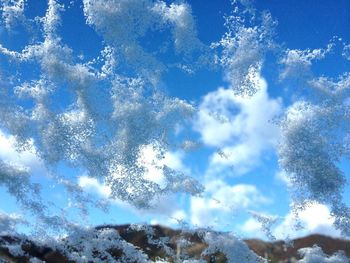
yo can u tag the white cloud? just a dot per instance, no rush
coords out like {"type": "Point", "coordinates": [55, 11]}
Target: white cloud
{"type": "Point", "coordinates": [241, 127]}
{"type": "Point", "coordinates": [218, 205]}
{"type": "Point", "coordinates": [89, 135]}
{"type": "Point", "coordinates": [174, 160]}
{"type": "Point", "coordinates": [221, 202]}
{"type": "Point", "coordinates": [151, 161]}
{"type": "Point", "coordinates": [175, 219]}
{"type": "Point", "coordinates": [26, 159]}
{"type": "Point", "coordinates": [160, 211]}
{"type": "Point", "coordinates": [315, 219]}
{"type": "Point", "coordinates": [92, 184]}
{"type": "Point", "coordinates": [282, 176]}
{"type": "Point", "coordinates": [252, 228]}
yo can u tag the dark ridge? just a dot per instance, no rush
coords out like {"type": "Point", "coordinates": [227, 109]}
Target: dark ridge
{"type": "Point", "coordinates": [278, 251]}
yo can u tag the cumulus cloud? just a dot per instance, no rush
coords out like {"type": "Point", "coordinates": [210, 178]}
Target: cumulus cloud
{"type": "Point", "coordinates": [221, 202]}
{"type": "Point", "coordinates": [218, 205]}
{"type": "Point", "coordinates": [16, 168]}
{"type": "Point", "coordinates": [101, 140]}
{"type": "Point", "coordinates": [282, 177]}
{"type": "Point", "coordinates": [241, 127]}
{"type": "Point", "coordinates": [314, 219]}
{"type": "Point", "coordinates": [252, 228]}
{"type": "Point", "coordinates": [26, 159]}
{"type": "Point", "coordinates": [153, 165]}
{"type": "Point", "coordinates": [92, 184]}
{"type": "Point", "coordinates": [160, 212]}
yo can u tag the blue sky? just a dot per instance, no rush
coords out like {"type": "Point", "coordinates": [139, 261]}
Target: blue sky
{"type": "Point", "coordinates": [235, 160]}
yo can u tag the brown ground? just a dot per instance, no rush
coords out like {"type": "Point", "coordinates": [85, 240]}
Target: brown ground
{"type": "Point", "coordinates": [275, 251]}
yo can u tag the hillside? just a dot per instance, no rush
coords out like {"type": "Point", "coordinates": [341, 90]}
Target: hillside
{"type": "Point", "coordinates": [164, 243]}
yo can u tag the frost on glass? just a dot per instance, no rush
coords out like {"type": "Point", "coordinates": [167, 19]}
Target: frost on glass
{"type": "Point", "coordinates": [101, 115]}
{"type": "Point", "coordinates": [315, 137]}
{"type": "Point", "coordinates": [249, 37]}
{"type": "Point", "coordinates": [315, 254]}
{"type": "Point", "coordinates": [105, 140]}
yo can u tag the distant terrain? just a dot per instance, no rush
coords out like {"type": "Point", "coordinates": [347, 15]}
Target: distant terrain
{"type": "Point", "coordinates": [164, 239]}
